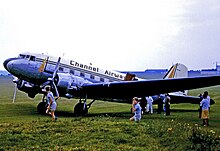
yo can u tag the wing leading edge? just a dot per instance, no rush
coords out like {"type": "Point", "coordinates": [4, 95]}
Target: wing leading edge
{"type": "Point", "coordinates": [129, 89]}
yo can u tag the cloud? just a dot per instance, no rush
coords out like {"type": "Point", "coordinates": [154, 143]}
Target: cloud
{"type": "Point", "coordinates": [122, 35]}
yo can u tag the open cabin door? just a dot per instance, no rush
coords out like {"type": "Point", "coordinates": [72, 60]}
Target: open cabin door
{"type": "Point", "coordinates": [129, 77]}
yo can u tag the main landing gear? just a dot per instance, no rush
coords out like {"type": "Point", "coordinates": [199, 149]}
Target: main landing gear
{"type": "Point", "coordinates": [82, 108]}
{"type": "Point", "coordinates": [42, 107]}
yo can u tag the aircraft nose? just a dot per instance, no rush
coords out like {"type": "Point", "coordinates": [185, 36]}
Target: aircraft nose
{"type": "Point", "coordinates": [8, 64]}
{"type": "Point", "coordinates": [5, 63]}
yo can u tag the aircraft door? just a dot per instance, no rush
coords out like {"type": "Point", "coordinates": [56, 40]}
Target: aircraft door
{"type": "Point", "coordinates": [129, 77]}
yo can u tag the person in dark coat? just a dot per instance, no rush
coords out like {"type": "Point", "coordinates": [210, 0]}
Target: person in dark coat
{"type": "Point", "coordinates": [160, 105]}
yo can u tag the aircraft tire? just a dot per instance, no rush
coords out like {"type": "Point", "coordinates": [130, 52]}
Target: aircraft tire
{"type": "Point", "coordinates": [31, 95]}
{"type": "Point", "coordinates": [78, 109]}
{"type": "Point", "coordinates": [41, 108]}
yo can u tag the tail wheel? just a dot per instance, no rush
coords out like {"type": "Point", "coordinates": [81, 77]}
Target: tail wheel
{"type": "Point", "coordinates": [42, 107]}
{"type": "Point", "coordinates": [80, 109]}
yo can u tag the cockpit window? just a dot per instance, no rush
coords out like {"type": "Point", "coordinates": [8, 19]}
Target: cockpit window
{"type": "Point", "coordinates": [32, 58]}
{"type": "Point", "coordinates": [21, 56]}
{"type": "Point", "coordinates": [27, 56]}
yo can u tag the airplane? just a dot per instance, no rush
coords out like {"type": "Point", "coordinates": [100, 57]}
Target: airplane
{"type": "Point", "coordinates": [70, 78]}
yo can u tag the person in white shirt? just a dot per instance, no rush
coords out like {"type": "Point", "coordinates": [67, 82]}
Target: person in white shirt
{"type": "Point", "coordinates": [208, 97]}
{"type": "Point", "coordinates": [149, 108]}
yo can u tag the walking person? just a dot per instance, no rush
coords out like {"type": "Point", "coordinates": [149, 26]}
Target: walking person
{"type": "Point", "coordinates": [52, 105]}
{"type": "Point", "coordinates": [136, 108]}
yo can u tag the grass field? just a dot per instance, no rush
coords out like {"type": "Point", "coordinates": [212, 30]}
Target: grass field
{"type": "Point", "coordinates": [106, 127]}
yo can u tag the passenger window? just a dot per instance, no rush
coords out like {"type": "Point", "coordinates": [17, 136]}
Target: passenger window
{"type": "Point", "coordinates": [72, 72]}
{"type": "Point", "coordinates": [82, 74]}
{"type": "Point", "coordinates": [60, 68]}
{"type": "Point", "coordinates": [92, 77]}
{"type": "Point", "coordinates": [102, 79]}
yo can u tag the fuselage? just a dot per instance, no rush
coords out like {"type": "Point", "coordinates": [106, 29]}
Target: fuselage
{"type": "Point", "coordinates": [37, 68]}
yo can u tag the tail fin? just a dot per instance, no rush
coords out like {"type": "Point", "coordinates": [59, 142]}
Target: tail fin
{"type": "Point", "coordinates": [177, 71]}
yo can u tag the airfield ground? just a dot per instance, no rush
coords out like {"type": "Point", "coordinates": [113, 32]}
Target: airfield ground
{"type": "Point", "coordinates": [105, 128]}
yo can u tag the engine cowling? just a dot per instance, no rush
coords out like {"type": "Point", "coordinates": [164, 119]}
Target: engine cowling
{"type": "Point", "coordinates": [26, 87]}
{"type": "Point", "coordinates": [64, 80]}
{"type": "Point", "coordinates": [68, 84]}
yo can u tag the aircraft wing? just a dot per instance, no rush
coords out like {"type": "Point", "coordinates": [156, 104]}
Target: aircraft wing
{"type": "Point", "coordinates": [129, 89]}
{"type": "Point", "coordinates": [175, 99]}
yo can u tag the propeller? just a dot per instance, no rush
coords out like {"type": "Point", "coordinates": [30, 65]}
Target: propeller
{"type": "Point", "coordinates": [51, 80]}
{"type": "Point", "coordinates": [15, 92]}
{"type": "Point", "coordinates": [15, 80]}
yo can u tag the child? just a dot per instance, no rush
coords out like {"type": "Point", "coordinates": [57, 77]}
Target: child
{"type": "Point", "coordinates": [52, 105]}
{"type": "Point", "coordinates": [136, 108]}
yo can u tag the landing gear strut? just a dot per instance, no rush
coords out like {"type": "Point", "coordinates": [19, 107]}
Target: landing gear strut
{"type": "Point", "coordinates": [82, 108]}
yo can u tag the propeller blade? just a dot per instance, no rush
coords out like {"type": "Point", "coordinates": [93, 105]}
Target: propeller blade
{"type": "Point", "coordinates": [50, 81]}
{"type": "Point", "coordinates": [15, 80]}
{"type": "Point", "coordinates": [56, 68]}
{"type": "Point", "coordinates": [55, 87]}
{"type": "Point", "coordinates": [15, 91]}
{"type": "Point", "coordinates": [44, 84]}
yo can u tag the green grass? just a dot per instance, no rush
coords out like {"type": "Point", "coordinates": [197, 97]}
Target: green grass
{"type": "Point", "coordinates": [106, 127]}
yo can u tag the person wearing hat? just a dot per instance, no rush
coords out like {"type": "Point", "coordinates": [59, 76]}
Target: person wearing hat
{"type": "Point", "coordinates": [52, 105]}
{"type": "Point", "coordinates": [136, 108]}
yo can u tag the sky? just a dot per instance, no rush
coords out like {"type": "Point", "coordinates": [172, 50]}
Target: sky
{"type": "Point", "coordinates": [124, 35]}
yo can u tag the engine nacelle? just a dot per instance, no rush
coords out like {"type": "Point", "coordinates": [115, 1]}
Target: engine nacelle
{"type": "Point", "coordinates": [26, 87]}
{"type": "Point", "coordinates": [68, 84]}
{"type": "Point", "coordinates": [64, 80]}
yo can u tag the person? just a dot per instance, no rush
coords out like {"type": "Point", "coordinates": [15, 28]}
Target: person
{"type": "Point", "coordinates": [205, 109]}
{"type": "Point", "coordinates": [208, 97]}
{"type": "Point", "coordinates": [201, 97]}
{"type": "Point", "coordinates": [52, 105]}
{"type": "Point", "coordinates": [160, 105]}
{"type": "Point", "coordinates": [143, 104]}
{"type": "Point", "coordinates": [167, 105]}
{"type": "Point", "coordinates": [136, 108]}
{"type": "Point", "coordinates": [150, 101]}
{"type": "Point", "coordinates": [200, 108]}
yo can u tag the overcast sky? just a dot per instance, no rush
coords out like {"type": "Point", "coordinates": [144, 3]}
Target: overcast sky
{"type": "Point", "coordinates": [116, 34]}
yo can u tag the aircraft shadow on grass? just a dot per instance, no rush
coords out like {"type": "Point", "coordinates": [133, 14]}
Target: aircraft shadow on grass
{"type": "Point", "coordinates": [115, 114]}
{"type": "Point", "coordinates": [118, 114]}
